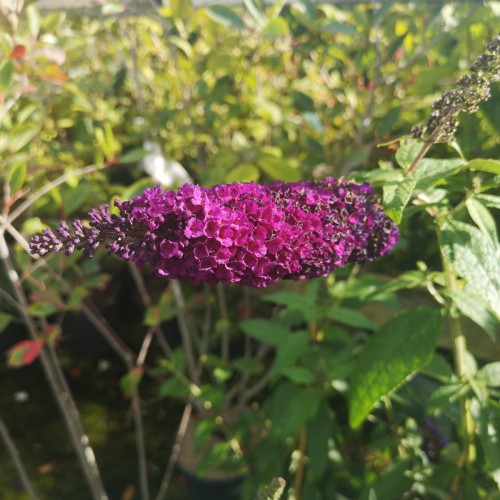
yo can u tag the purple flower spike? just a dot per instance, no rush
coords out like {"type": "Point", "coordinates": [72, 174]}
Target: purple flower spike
{"type": "Point", "coordinates": [247, 233]}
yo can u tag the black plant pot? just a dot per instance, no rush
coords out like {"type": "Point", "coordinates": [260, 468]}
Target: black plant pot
{"type": "Point", "coordinates": [200, 488]}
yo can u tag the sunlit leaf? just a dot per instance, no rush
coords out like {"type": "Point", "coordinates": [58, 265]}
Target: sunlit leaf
{"type": "Point", "coordinates": [474, 307]}
{"type": "Point", "coordinates": [276, 28]}
{"type": "Point", "coordinates": [396, 195]}
{"type": "Point", "coordinates": [484, 165]}
{"type": "Point", "coordinates": [482, 217]}
{"type": "Point", "coordinates": [475, 257]}
{"type": "Point", "coordinates": [6, 70]}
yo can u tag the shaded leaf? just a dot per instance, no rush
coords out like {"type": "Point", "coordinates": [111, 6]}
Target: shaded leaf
{"type": "Point", "coordinates": [300, 408]}
{"type": "Point", "coordinates": [289, 351]}
{"type": "Point", "coordinates": [265, 331]}
{"type": "Point", "coordinates": [438, 368]}
{"type": "Point", "coordinates": [447, 394]}
{"type": "Point", "coordinates": [394, 353]}
{"type": "Point", "coordinates": [319, 431]}
{"type": "Point", "coordinates": [42, 309]}
{"type": "Point", "coordinates": [298, 374]}
{"type": "Point", "coordinates": [131, 381]}
{"type": "Point", "coordinates": [5, 319]}
{"type": "Point", "coordinates": [350, 317]}
{"type": "Point", "coordinates": [247, 365]}
{"type": "Point", "coordinates": [173, 388]}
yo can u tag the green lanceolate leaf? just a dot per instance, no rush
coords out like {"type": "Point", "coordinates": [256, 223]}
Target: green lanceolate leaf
{"type": "Point", "coordinates": [396, 195]}
{"type": "Point", "coordinates": [488, 200]}
{"type": "Point", "coordinates": [484, 165]}
{"type": "Point", "coordinates": [6, 70]}
{"type": "Point", "coordinates": [394, 353]}
{"type": "Point", "coordinates": [350, 317]}
{"type": "Point", "coordinates": [265, 331]}
{"type": "Point", "coordinates": [447, 394]}
{"type": "Point", "coordinates": [475, 257]}
{"type": "Point", "coordinates": [482, 217]}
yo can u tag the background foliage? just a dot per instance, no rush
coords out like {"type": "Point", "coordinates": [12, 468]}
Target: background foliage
{"type": "Point", "coordinates": [252, 94]}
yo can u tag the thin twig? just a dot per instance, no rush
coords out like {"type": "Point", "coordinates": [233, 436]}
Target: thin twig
{"type": "Point", "coordinates": [176, 449]}
{"type": "Point", "coordinates": [16, 458]}
{"type": "Point", "coordinates": [49, 186]}
{"type": "Point", "coordinates": [184, 329]}
{"type": "Point", "coordinates": [147, 302]}
{"type": "Point", "coordinates": [140, 445]}
{"type": "Point", "coordinates": [221, 298]}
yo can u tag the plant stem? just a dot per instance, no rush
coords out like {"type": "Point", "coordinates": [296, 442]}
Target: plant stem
{"type": "Point", "coordinates": [140, 445]}
{"type": "Point", "coordinates": [460, 354]}
{"type": "Point", "coordinates": [299, 475]}
{"type": "Point", "coordinates": [14, 453]}
{"type": "Point", "coordinates": [419, 156]}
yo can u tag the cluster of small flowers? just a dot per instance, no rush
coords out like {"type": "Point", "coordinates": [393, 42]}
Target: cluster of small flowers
{"type": "Point", "coordinates": [246, 233]}
{"type": "Point", "coordinates": [471, 89]}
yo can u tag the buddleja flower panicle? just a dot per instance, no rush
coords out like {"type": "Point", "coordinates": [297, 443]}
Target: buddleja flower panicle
{"type": "Point", "coordinates": [472, 89]}
{"type": "Point", "coordinates": [247, 233]}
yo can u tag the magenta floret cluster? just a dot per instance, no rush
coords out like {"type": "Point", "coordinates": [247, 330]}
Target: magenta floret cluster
{"type": "Point", "coordinates": [247, 233]}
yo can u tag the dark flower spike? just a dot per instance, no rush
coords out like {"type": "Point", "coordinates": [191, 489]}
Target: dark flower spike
{"type": "Point", "coordinates": [247, 233]}
{"type": "Point", "coordinates": [472, 88]}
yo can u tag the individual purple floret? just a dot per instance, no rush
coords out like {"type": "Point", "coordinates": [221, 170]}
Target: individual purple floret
{"type": "Point", "coordinates": [247, 233]}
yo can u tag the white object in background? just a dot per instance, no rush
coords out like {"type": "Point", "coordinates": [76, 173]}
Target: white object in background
{"type": "Point", "coordinates": [168, 173]}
